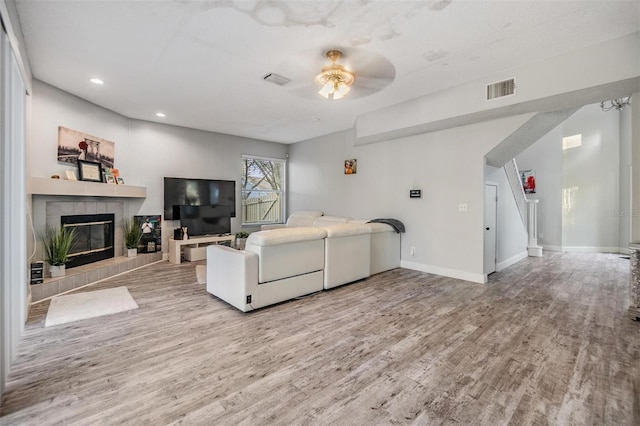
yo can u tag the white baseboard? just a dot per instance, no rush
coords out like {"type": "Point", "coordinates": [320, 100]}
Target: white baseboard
{"type": "Point", "coordinates": [512, 260]}
{"type": "Point", "coordinates": [546, 247]}
{"type": "Point", "coordinates": [587, 249]}
{"type": "Point", "coordinates": [452, 273]}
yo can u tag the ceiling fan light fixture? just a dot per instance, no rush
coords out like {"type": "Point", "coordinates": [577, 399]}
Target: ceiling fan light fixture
{"type": "Point", "coordinates": [335, 79]}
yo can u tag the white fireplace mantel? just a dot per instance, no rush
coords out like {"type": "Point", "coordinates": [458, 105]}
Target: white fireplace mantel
{"type": "Point", "coordinates": [48, 186]}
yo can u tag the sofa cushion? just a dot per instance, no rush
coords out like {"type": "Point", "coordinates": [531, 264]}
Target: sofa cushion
{"type": "Point", "coordinates": [330, 220]}
{"type": "Point", "coordinates": [274, 237]}
{"type": "Point", "coordinates": [303, 218]}
{"type": "Point", "coordinates": [346, 230]}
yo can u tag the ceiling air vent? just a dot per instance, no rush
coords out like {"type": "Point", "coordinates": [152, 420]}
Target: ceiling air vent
{"type": "Point", "coordinates": [501, 88]}
{"type": "Point", "coordinates": [276, 79]}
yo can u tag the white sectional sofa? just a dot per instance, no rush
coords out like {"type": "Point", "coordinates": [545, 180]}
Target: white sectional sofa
{"type": "Point", "coordinates": [276, 265]}
{"type": "Point", "coordinates": [297, 219]}
{"type": "Point", "coordinates": [287, 261]}
{"type": "Point", "coordinates": [347, 253]}
{"type": "Point", "coordinates": [385, 242]}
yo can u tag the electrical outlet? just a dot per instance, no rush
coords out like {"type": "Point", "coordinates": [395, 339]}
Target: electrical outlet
{"type": "Point", "coordinates": [413, 251]}
{"type": "Point", "coordinates": [462, 207]}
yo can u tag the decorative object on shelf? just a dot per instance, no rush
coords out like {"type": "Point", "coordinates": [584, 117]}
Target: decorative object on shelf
{"type": "Point", "coordinates": [350, 167]}
{"type": "Point", "coordinates": [70, 174]}
{"type": "Point", "coordinates": [132, 236]}
{"type": "Point", "coordinates": [55, 177]}
{"type": "Point", "coordinates": [107, 175]}
{"type": "Point", "coordinates": [57, 243]}
{"type": "Point", "coordinates": [151, 227]}
{"type": "Point", "coordinates": [185, 235]}
{"type": "Point", "coordinates": [89, 171]}
{"type": "Point", "coordinates": [74, 145]}
{"type": "Point", "coordinates": [120, 181]}
{"type": "Point", "coordinates": [241, 239]}
{"type": "Point", "coordinates": [335, 79]}
{"type": "Point", "coordinates": [618, 104]}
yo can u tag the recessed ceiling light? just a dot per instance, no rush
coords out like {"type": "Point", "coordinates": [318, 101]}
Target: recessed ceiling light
{"type": "Point", "coordinates": [160, 114]}
{"type": "Point", "coordinates": [96, 81]}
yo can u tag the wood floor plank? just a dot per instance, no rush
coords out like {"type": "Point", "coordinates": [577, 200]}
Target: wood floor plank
{"type": "Point", "coordinates": [547, 341]}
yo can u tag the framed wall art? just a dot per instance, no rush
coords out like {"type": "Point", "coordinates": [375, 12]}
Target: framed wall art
{"type": "Point", "coordinates": [89, 171]}
{"type": "Point", "coordinates": [350, 167]}
{"type": "Point", "coordinates": [74, 145]}
{"type": "Point", "coordinates": [528, 181]}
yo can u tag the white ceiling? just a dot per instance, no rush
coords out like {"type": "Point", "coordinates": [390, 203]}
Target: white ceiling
{"type": "Point", "coordinates": [202, 62]}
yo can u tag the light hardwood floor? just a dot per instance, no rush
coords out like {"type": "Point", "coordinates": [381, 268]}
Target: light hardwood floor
{"type": "Point", "coordinates": [547, 341]}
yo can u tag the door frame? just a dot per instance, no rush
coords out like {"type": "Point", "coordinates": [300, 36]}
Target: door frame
{"type": "Point", "coordinates": [495, 228]}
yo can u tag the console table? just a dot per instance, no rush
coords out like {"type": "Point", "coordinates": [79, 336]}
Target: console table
{"type": "Point", "coordinates": [176, 246]}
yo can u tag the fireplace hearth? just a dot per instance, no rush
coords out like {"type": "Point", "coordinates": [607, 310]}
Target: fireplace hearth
{"type": "Point", "coordinates": [94, 240]}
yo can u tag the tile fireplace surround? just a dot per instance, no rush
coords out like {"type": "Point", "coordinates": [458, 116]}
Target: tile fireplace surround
{"type": "Point", "coordinates": [52, 199]}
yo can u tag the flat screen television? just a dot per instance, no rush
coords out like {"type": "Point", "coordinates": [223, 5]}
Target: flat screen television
{"type": "Point", "coordinates": [197, 192]}
{"type": "Point", "coordinates": [205, 220]}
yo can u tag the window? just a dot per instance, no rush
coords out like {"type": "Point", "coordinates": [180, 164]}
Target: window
{"type": "Point", "coordinates": [572, 141]}
{"type": "Point", "coordinates": [262, 190]}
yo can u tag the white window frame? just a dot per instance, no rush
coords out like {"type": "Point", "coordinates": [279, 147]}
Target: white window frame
{"type": "Point", "coordinates": [283, 191]}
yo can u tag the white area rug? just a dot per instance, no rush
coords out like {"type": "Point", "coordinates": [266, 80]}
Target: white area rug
{"type": "Point", "coordinates": [75, 307]}
{"type": "Point", "coordinates": [201, 273]}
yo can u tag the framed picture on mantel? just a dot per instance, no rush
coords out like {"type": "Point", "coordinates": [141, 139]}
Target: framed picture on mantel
{"type": "Point", "coordinates": [89, 171]}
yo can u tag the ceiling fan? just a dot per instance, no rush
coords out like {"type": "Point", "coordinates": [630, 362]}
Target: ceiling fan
{"type": "Point", "coordinates": [334, 73]}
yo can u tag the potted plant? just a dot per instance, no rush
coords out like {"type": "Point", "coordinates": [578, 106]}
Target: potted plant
{"type": "Point", "coordinates": [241, 239]}
{"type": "Point", "coordinates": [132, 235]}
{"type": "Point", "coordinates": [57, 244]}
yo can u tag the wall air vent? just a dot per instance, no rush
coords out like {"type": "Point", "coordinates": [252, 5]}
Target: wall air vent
{"type": "Point", "coordinates": [276, 79]}
{"type": "Point", "coordinates": [501, 89]}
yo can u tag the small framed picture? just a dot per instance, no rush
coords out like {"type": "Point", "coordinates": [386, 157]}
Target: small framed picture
{"type": "Point", "coordinates": [111, 179]}
{"type": "Point", "coordinates": [70, 174]}
{"type": "Point", "coordinates": [89, 171]}
{"type": "Point", "coordinates": [350, 167]}
{"type": "Point", "coordinates": [120, 181]}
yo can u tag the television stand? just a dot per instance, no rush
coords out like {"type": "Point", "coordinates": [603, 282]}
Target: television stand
{"type": "Point", "coordinates": [195, 245]}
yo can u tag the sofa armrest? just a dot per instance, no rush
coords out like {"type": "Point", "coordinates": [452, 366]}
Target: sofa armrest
{"type": "Point", "coordinates": [272, 226]}
{"type": "Point", "coordinates": [232, 275]}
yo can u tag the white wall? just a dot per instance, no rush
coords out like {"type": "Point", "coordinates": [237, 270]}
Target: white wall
{"type": "Point", "coordinates": [590, 180]}
{"type": "Point", "coordinates": [145, 152]}
{"type": "Point", "coordinates": [448, 166]}
{"type": "Point", "coordinates": [545, 158]}
{"type": "Point", "coordinates": [597, 215]}
{"type": "Point", "coordinates": [537, 86]}
{"type": "Point", "coordinates": [624, 230]}
{"type": "Point", "coordinates": [511, 234]}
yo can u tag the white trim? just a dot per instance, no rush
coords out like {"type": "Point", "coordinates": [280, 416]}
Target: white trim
{"type": "Point", "coordinates": [511, 261]}
{"type": "Point", "coordinates": [551, 248]}
{"type": "Point", "coordinates": [21, 61]}
{"type": "Point", "coordinates": [588, 249]}
{"type": "Point", "coordinates": [446, 272]}
{"type": "Point", "coordinates": [259, 157]}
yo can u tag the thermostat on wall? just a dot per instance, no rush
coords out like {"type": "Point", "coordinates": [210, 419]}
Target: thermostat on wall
{"type": "Point", "coordinates": [415, 193]}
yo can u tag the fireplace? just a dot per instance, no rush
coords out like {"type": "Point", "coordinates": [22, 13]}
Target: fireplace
{"type": "Point", "coordinates": [94, 239]}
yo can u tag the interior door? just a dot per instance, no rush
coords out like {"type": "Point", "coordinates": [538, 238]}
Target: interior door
{"type": "Point", "coordinates": [490, 221]}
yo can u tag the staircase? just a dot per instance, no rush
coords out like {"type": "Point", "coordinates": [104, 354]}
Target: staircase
{"type": "Point", "coordinates": [528, 208]}
{"type": "Point", "coordinates": [513, 176]}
